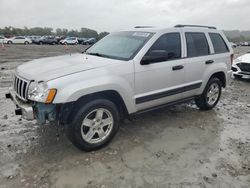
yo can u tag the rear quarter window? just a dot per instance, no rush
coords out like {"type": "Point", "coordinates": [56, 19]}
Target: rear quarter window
{"type": "Point", "coordinates": [218, 43]}
{"type": "Point", "coordinates": [197, 44]}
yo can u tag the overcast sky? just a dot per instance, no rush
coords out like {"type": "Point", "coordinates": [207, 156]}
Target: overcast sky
{"type": "Point", "coordinates": [111, 15]}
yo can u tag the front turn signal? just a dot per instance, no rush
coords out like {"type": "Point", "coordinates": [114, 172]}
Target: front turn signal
{"type": "Point", "coordinates": [51, 96]}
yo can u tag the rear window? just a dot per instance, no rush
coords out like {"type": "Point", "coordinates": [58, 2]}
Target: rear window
{"type": "Point", "coordinates": [197, 44]}
{"type": "Point", "coordinates": [218, 43]}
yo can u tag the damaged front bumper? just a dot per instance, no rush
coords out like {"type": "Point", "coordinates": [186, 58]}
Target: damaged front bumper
{"type": "Point", "coordinates": [241, 69]}
{"type": "Point", "coordinates": [33, 110]}
{"type": "Point", "coordinates": [22, 108]}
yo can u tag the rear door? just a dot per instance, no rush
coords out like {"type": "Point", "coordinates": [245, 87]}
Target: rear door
{"type": "Point", "coordinates": [161, 81]}
{"type": "Point", "coordinates": [221, 49]}
{"type": "Point", "coordinates": [198, 58]}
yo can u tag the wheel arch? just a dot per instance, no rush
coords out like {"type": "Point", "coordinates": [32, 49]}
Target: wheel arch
{"type": "Point", "coordinates": [221, 76]}
{"type": "Point", "coordinates": [111, 95]}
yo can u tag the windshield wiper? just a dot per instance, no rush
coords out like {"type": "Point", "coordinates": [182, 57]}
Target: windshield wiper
{"type": "Point", "coordinates": [97, 54]}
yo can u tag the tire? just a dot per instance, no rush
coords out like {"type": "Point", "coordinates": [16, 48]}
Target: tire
{"type": "Point", "coordinates": [9, 42]}
{"type": "Point", "coordinates": [41, 43]}
{"type": "Point", "coordinates": [204, 102]}
{"type": "Point", "coordinates": [54, 43]}
{"type": "Point", "coordinates": [237, 76]}
{"type": "Point", "coordinates": [26, 42]}
{"type": "Point", "coordinates": [87, 137]}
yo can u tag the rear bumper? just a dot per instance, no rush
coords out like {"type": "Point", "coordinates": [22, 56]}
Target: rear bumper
{"type": "Point", "coordinates": [23, 109]}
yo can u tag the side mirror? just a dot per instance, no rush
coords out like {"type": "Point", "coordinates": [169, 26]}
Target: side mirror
{"type": "Point", "coordinates": [155, 56]}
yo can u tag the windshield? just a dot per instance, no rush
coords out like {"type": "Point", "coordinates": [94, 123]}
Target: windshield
{"type": "Point", "coordinates": [121, 45]}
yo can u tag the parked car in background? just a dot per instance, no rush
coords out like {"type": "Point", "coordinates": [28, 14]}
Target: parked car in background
{"type": "Point", "coordinates": [241, 66]}
{"type": "Point", "coordinates": [80, 40]}
{"type": "Point", "coordinates": [245, 43]}
{"type": "Point", "coordinates": [34, 37]}
{"type": "Point", "coordinates": [3, 40]}
{"type": "Point", "coordinates": [19, 40]}
{"type": "Point", "coordinates": [233, 44]}
{"type": "Point", "coordinates": [69, 40]}
{"type": "Point", "coordinates": [59, 38]}
{"type": "Point", "coordinates": [89, 41]}
{"type": "Point", "coordinates": [46, 40]}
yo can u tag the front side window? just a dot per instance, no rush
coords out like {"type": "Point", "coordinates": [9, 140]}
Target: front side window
{"type": "Point", "coordinates": [197, 44]}
{"type": "Point", "coordinates": [218, 43]}
{"type": "Point", "coordinates": [170, 44]}
{"type": "Point", "coordinates": [120, 45]}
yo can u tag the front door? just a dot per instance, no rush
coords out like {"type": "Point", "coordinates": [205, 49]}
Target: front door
{"type": "Point", "coordinates": [159, 77]}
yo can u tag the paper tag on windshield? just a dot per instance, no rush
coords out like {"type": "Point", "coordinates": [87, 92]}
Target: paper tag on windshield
{"type": "Point", "coordinates": [141, 34]}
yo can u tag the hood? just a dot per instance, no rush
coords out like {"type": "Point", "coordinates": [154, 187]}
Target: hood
{"type": "Point", "coordinates": [244, 58]}
{"type": "Point", "coordinates": [54, 67]}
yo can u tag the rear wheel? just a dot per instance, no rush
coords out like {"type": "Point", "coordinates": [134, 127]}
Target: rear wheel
{"type": "Point", "coordinates": [210, 96]}
{"type": "Point", "coordinates": [94, 125]}
{"type": "Point", "coordinates": [40, 43]}
{"type": "Point", "coordinates": [9, 42]}
{"type": "Point", "coordinates": [26, 42]}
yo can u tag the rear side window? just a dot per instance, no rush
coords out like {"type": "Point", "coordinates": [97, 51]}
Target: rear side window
{"type": "Point", "coordinates": [218, 43]}
{"type": "Point", "coordinates": [170, 42]}
{"type": "Point", "coordinates": [197, 44]}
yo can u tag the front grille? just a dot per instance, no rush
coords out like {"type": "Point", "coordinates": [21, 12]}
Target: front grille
{"type": "Point", "coordinates": [21, 87]}
{"type": "Point", "coordinates": [245, 67]}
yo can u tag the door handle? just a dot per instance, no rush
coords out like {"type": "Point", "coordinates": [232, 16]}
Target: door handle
{"type": "Point", "coordinates": [209, 61]}
{"type": "Point", "coordinates": [178, 67]}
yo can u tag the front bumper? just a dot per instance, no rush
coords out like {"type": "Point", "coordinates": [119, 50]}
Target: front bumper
{"type": "Point", "coordinates": [41, 112]}
{"type": "Point", "coordinates": [23, 109]}
{"type": "Point", "coordinates": [237, 71]}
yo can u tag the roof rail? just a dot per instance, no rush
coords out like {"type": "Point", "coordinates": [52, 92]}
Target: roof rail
{"type": "Point", "coordinates": [204, 26]}
{"type": "Point", "coordinates": [137, 27]}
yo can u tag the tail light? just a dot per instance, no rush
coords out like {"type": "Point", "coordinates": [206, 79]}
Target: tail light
{"type": "Point", "coordinates": [232, 58]}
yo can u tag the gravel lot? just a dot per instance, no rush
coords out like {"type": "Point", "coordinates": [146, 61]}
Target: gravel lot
{"type": "Point", "coordinates": [179, 146]}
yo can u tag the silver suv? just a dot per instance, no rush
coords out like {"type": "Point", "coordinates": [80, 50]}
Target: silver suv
{"type": "Point", "coordinates": [125, 73]}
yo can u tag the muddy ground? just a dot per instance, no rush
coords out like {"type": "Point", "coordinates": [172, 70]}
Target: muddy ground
{"type": "Point", "coordinates": [179, 146]}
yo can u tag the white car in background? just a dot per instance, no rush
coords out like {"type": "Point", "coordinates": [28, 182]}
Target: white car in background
{"type": "Point", "coordinates": [19, 40]}
{"type": "Point", "coordinates": [69, 40]}
{"type": "Point", "coordinates": [241, 66]}
{"type": "Point", "coordinates": [3, 40]}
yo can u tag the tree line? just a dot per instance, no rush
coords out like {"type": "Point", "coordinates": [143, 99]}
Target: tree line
{"type": "Point", "coordinates": [82, 33]}
{"type": "Point", "coordinates": [239, 39]}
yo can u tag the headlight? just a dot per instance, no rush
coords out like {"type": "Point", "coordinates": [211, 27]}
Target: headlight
{"type": "Point", "coordinates": [39, 92]}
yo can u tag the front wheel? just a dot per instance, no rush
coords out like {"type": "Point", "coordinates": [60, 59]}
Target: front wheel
{"type": "Point", "coordinates": [94, 125]}
{"type": "Point", "coordinates": [210, 96]}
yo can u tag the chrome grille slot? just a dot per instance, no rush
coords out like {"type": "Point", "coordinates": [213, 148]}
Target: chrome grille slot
{"type": "Point", "coordinates": [21, 88]}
